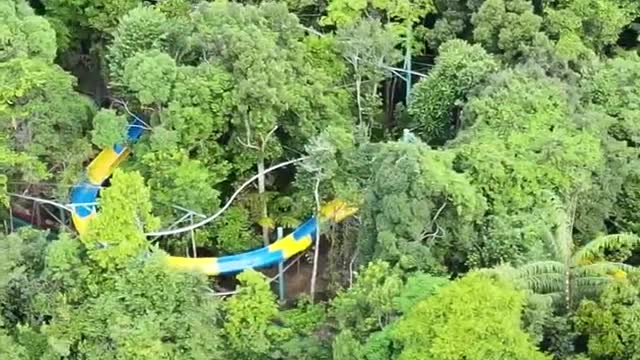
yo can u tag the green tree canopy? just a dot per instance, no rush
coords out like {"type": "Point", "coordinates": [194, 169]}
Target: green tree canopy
{"type": "Point", "coordinates": [435, 105]}
{"type": "Point", "coordinates": [473, 318]}
{"type": "Point", "coordinates": [124, 206]}
{"type": "Point", "coordinates": [43, 120]}
{"type": "Point", "coordinates": [609, 323]}
{"type": "Point", "coordinates": [417, 209]}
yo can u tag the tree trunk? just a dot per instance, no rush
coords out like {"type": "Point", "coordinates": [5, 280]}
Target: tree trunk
{"type": "Point", "coordinates": [567, 287]}
{"type": "Point", "coordinates": [316, 252]}
{"type": "Point", "coordinates": [261, 190]}
{"type": "Point", "coordinates": [358, 90]}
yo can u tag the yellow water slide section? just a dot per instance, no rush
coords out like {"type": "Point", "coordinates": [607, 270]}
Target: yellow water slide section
{"type": "Point", "coordinates": [334, 211]}
{"type": "Point", "coordinates": [104, 164]}
{"type": "Point", "coordinates": [108, 159]}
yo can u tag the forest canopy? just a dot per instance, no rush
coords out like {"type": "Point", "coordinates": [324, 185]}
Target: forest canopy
{"type": "Point", "coordinates": [489, 150]}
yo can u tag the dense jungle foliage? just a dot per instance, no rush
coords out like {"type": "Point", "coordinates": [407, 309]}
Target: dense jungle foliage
{"type": "Point", "coordinates": [492, 148]}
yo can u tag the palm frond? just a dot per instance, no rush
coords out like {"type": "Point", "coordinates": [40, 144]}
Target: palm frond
{"type": "Point", "coordinates": [603, 268]}
{"type": "Point", "coordinates": [267, 222]}
{"type": "Point", "coordinates": [555, 297]}
{"type": "Point", "coordinates": [587, 292]}
{"type": "Point", "coordinates": [288, 221]}
{"type": "Point", "coordinates": [589, 283]}
{"type": "Point", "coordinates": [543, 283]}
{"type": "Point", "coordinates": [590, 251]}
{"type": "Point", "coordinates": [539, 267]}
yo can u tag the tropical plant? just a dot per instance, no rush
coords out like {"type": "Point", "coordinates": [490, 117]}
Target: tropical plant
{"type": "Point", "coordinates": [573, 272]}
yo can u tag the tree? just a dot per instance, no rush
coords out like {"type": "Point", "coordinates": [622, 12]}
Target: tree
{"type": "Point", "coordinates": [11, 162]}
{"type": "Point", "coordinates": [507, 27]}
{"type": "Point", "coordinates": [472, 318]}
{"type": "Point", "coordinates": [9, 349]}
{"type": "Point", "coordinates": [41, 116]}
{"type": "Point", "coordinates": [116, 234]}
{"type": "Point", "coordinates": [367, 312]}
{"type": "Point", "coordinates": [22, 262]}
{"type": "Point", "coordinates": [248, 325]}
{"type": "Point", "coordinates": [77, 20]}
{"type": "Point", "coordinates": [597, 23]}
{"type": "Point", "coordinates": [197, 113]}
{"type": "Point", "coordinates": [523, 141]}
{"type": "Point", "coordinates": [369, 47]}
{"type": "Point", "coordinates": [382, 25]}
{"type": "Point", "coordinates": [608, 321]}
{"type": "Point", "coordinates": [453, 21]}
{"type": "Point", "coordinates": [233, 233]}
{"type": "Point", "coordinates": [143, 28]}
{"type": "Point", "coordinates": [150, 75]}
{"type": "Point", "coordinates": [134, 312]}
{"type": "Point", "coordinates": [602, 92]}
{"type": "Point", "coordinates": [369, 305]}
{"type": "Point", "coordinates": [417, 209]}
{"type": "Point", "coordinates": [24, 34]}
{"type": "Point", "coordinates": [571, 274]}
{"type": "Point", "coordinates": [341, 12]}
{"type": "Point", "coordinates": [175, 179]}
{"type": "Point", "coordinates": [276, 95]}
{"type": "Point", "coordinates": [109, 128]}
{"type": "Point", "coordinates": [609, 88]}
{"type": "Point", "coordinates": [42, 99]}
{"type": "Point", "coordinates": [304, 323]}
{"type": "Point", "coordinates": [322, 165]}
{"type": "Point", "coordinates": [436, 102]}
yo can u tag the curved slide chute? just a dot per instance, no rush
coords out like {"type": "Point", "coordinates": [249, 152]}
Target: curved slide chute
{"type": "Point", "coordinates": [84, 197]}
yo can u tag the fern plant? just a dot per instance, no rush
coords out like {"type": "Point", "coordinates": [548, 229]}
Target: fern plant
{"type": "Point", "coordinates": [571, 273]}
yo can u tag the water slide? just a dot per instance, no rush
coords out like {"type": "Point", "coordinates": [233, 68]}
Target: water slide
{"type": "Point", "coordinates": [84, 198]}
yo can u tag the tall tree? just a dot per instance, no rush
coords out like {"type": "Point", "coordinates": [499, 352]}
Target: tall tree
{"type": "Point", "coordinates": [249, 327]}
{"type": "Point", "coordinates": [366, 313]}
{"type": "Point", "coordinates": [145, 310]}
{"type": "Point", "coordinates": [509, 27]}
{"type": "Point", "coordinates": [117, 232]}
{"type": "Point", "coordinates": [41, 116]}
{"type": "Point", "coordinates": [472, 318]}
{"type": "Point", "coordinates": [435, 107]}
{"type": "Point", "coordinates": [574, 272]}
{"type": "Point", "coordinates": [609, 321]}
{"type": "Point", "coordinates": [277, 95]}
{"type": "Point", "coordinates": [417, 209]}
{"type": "Point", "coordinates": [522, 141]}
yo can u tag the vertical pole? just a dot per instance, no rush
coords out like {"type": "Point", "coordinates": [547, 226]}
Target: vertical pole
{"type": "Point", "coordinates": [407, 63]}
{"type": "Point", "coordinates": [63, 217]}
{"type": "Point", "coordinates": [193, 238]}
{"type": "Point", "coordinates": [280, 271]}
{"type": "Point", "coordinates": [11, 220]}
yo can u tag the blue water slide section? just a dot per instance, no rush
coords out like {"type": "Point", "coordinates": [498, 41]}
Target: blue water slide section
{"type": "Point", "coordinates": [87, 193]}
{"type": "Point", "coordinates": [308, 228]}
{"type": "Point", "coordinates": [84, 193]}
{"type": "Point", "coordinates": [134, 131]}
{"type": "Point", "coordinates": [253, 259]}
{"type": "Point", "coordinates": [263, 257]}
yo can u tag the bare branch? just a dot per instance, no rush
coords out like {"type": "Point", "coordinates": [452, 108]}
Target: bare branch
{"type": "Point", "coordinates": [251, 146]}
{"type": "Point", "coordinates": [224, 208]}
{"type": "Point", "coordinates": [427, 228]}
{"type": "Point", "coordinates": [265, 139]}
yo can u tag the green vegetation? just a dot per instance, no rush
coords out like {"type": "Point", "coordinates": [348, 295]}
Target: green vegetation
{"type": "Point", "coordinates": [492, 148]}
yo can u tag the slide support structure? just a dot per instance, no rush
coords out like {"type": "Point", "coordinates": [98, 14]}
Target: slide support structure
{"type": "Point", "coordinates": [84, 197]}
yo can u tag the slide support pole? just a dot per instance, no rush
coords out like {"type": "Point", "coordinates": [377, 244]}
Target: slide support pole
{"type": "Point", "coordinates": [280, 271]}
